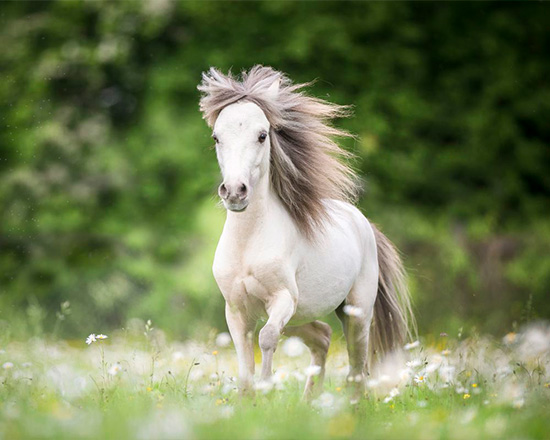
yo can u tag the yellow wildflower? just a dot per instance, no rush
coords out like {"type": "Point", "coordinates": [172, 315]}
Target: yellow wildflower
{"type": "Point", "coordinates": [466, 396]}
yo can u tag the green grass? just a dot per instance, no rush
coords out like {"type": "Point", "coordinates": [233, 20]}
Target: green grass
{"type": "Point", "coordinates": [140, 386]}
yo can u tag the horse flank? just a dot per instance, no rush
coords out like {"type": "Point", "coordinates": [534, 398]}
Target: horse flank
{"type": "Point", "coordinates": [307, 165]}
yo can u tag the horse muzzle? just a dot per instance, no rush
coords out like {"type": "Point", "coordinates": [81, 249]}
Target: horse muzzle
{"type": "Point", "coordinates": [234, 196]}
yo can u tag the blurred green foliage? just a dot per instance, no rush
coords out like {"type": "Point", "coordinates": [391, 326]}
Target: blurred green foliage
{"type": "Point", "coordinates": [107, 178]}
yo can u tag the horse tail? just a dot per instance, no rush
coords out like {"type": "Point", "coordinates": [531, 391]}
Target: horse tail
{"type": "Point", "coordinates": [393, 321]}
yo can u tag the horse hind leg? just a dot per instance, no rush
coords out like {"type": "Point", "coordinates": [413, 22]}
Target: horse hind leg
{"type": "Point", "coordinates": [356, 322]}
{"type": "Point", "coordinates": [316, 335]}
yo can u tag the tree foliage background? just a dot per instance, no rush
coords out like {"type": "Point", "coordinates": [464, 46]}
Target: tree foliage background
{"type": "Point", "coordinates": [107, 176]}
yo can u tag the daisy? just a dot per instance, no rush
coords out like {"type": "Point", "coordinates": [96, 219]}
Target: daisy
{"type": "Point", "coordinates": [91, 338]}
{"type": "Point", "coordinates": [115, 368]}
{"type": "Point", "coordinates": [420, 378]}
{"type": "Point", "coordinates": [101, 337]}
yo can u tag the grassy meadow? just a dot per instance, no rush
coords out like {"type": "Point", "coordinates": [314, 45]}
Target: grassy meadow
{"type": "Point", "coordinates": [136, 384]}
{"type": "Point", "coordinates": [108, 179]}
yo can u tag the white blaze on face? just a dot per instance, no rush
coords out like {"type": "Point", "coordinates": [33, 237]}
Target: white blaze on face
{"type": "Point", "coordinates": [242, 146]}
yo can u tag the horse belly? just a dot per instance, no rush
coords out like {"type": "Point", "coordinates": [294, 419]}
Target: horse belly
{"type": "Point", "coordinates": [324, 282]}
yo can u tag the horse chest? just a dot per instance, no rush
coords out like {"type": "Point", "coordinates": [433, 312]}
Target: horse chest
{"type": "Point", "coordinates": [245, 276]}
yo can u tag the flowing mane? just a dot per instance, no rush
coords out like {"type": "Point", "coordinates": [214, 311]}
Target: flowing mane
{"type": "Point", "coordinates": [307, 166]}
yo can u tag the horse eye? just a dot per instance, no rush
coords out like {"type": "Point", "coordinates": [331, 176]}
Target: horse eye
{"type": "Point", "coordinates": [215, 138]}
{"type": "Point", "coordinates": [262, 137]}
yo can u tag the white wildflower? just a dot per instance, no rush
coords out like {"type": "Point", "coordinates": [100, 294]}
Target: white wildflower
{"type": "Point", "coordinates": [223, 339]}
{"type": "Point", "coordinates": [7, 365]}
{"type": "Point", "coordinates": [430, 368]}
{"type": "Point", "coordinates": [178, 356]}
{"type": "Point", "coordinates": [353, 310]}
{"type": "Point", "coordinates": [324, 401]}
{"type": "Point", "coordinates": [372, 383]}
{"type": "Point", "coordinates": [264, 386]}
{"type": "Point", "coordinates": [280, 376]}
{"type": "Point", "coordinates": [535, 341]}
{"type": "Point", "coordinates": [228, 388]}
{"type": "Point", "coordinates": [414, 363]}
{"type": "Point", "coordinates": [101, 337]}
{"type": "Point", "coordinates": [90, 339]}
{"type": "Point", "coordinates": [412, 345]}
{"type": "Point", "coordinates": [114, 369]}
{"type": "Point", "coordinates": [293, 347]}
{"type": "Point", "coordinates": [420, 378]}
{"type": "Point", "coordinates": [313, 370]}
{"type": "Point", "coordinates": [384, 378]}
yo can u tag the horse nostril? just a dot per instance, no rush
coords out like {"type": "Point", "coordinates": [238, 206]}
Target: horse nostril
{"type": "Point", "coordinates": [222, 191]}
{"type": "Point", "coordinates": [242, 191]}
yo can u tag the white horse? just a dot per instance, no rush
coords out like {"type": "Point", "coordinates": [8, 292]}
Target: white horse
{"type": "Point", "coordinates": [293, 248]}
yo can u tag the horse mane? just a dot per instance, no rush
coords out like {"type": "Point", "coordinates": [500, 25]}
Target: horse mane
{"type": "Point", "coordinates": [307, 165]}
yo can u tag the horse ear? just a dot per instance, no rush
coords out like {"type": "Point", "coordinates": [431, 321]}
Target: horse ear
{"type": "Point", "coordinates": [273, 89]}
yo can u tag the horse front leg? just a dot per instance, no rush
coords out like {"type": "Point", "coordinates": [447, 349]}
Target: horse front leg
{"type": "Point", "coordinates": [280, 309]}
{"type": "Point", "coordinates": [242, 332]}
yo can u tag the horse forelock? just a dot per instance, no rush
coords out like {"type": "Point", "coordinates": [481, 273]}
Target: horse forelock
{"type": "Point", "coordinates": [307, 165]}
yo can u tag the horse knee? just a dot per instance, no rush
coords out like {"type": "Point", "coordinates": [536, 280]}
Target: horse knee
{"type": "Point", "coordinates": [269, 338]}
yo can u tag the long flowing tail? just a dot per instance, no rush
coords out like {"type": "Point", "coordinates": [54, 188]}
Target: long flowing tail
{"type": "Point", "coordinates": [393, 321]}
